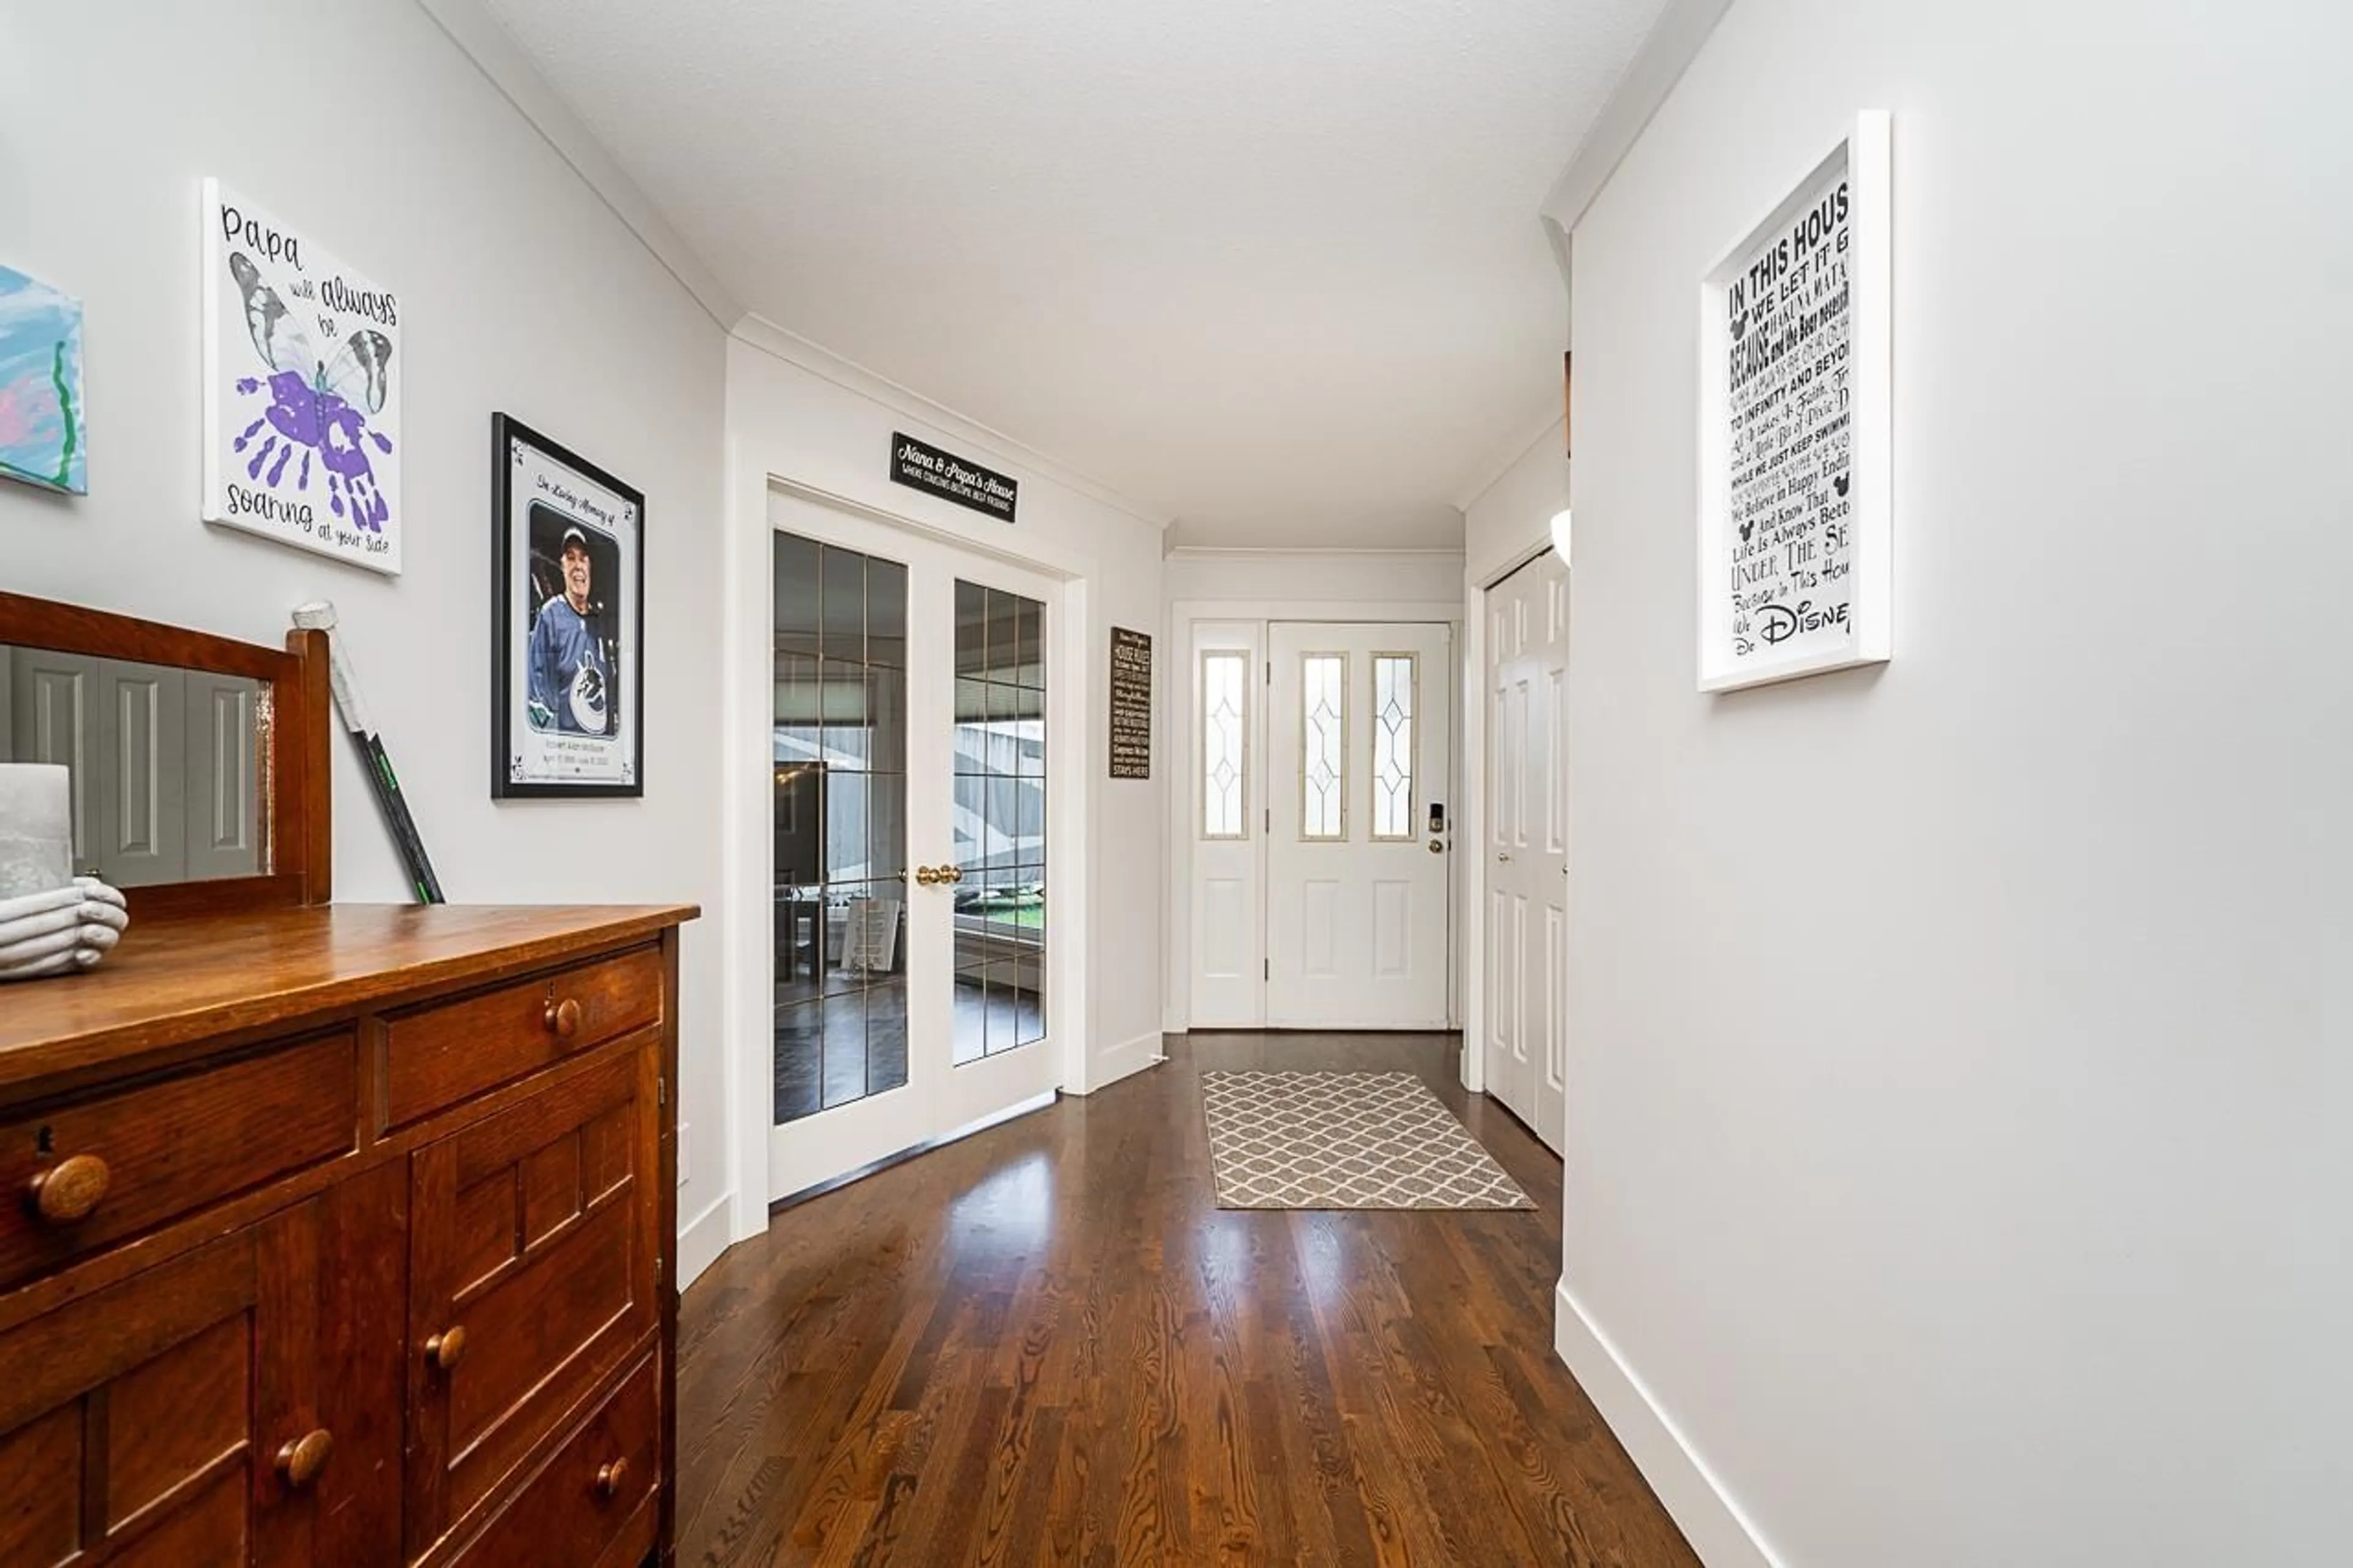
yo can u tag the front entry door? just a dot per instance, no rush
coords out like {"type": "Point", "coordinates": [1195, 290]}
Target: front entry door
{"type": "Point", "coordinates": [1527, 847]}
{"type": "Point", "coordinates": [1357, 826]}
{"type": "Point", "coordinates": [910, 927]}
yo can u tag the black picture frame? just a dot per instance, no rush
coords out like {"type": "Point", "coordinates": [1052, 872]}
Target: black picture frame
{"type": "Point", "coordinates": [606, 642]}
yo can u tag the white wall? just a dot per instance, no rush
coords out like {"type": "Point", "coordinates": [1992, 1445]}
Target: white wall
{"type": "Point", "coordinates": [1312, 576]}
{"type": "Point", "coordinates": [829, 428]}
{"type": "Point", "coordinates": [361, 121]}
{"type": "Point", "coordinates": [1959, 1052]}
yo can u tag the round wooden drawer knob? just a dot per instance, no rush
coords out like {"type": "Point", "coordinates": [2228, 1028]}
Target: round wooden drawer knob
{"type": "Point", "coordinates": [69, 1191]}
{"type": "Point", "coordinates": [300, 1462]}
{"type": "Point", "coordinates": [563, 1018]}
{"type": "Point", "coordinates": [448, 1348]}
{"type": "Point", "coordinates": [611, 1478]}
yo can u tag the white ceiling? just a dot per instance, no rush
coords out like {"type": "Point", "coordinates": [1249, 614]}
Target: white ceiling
{"type": "Point", "coordinates": [1271, 267]}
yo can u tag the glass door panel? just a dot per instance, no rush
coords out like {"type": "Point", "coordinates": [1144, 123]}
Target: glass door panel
{"type": "Point", "coordinates": [839, 754]}
{"type": "Point", "coordinates": [1000, 825]}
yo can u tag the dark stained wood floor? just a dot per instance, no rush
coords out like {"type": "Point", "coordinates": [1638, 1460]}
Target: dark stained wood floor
{"type": "Point", "coordinates": [1046, 1344]}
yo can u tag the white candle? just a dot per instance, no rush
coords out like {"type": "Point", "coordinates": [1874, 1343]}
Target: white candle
{"type": "Point", "coordinates": [36, 829]}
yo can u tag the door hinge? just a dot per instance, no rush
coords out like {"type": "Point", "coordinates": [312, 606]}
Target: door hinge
{"type": "Point", "coordinates": [1266, 969]}
{"type": "Point", "coordinates": [1270, 819]}
{"type": "Point", "coordinates": [662, 1092]}
{"type": "Point", "coordinates": [1270, 672]}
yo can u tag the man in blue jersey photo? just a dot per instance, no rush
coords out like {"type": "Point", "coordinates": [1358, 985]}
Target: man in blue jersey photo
{"type": "Point", "coordinates": [570, 685]}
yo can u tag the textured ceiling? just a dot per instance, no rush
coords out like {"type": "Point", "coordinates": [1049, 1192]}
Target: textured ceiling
{"type": "Point", "coordinates": [1269, 266]}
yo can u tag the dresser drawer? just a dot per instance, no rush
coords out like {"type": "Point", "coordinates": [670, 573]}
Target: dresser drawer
{"type": "Point", "coordinates": [96, 1172]}
{"type": "Point", "coordinates": [589, 1505]}
{"type": "Point", "coordinates": [440, 1056]}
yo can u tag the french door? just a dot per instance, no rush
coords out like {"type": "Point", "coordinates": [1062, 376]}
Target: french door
{"type": "Point", "coordinates": [912, 920]}
{"type": "Point", "coordinates": [1527, 845]}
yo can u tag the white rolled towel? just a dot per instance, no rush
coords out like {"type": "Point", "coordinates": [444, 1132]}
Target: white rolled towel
{"type": "Point", "coordinates": [61, 932]}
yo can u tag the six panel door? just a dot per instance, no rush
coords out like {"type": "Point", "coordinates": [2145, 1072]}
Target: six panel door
{"type": "Point", "coordinates": [530, 1276]}
{"type": "Point", "coordinates": [1527, 845]}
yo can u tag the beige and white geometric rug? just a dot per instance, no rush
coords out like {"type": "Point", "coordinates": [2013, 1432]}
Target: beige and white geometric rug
{"type": "Point", "coordinates": [1344, 1141]}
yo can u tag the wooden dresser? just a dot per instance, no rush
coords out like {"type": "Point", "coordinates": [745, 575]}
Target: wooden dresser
{"type": "Point", "coordinates": [342, 1235]}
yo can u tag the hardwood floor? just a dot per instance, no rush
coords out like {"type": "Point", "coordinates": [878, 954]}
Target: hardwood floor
{"type": "Point", "coordinates": [1046, 1344]}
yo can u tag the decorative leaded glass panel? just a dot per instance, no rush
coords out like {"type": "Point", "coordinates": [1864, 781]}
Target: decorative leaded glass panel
{"type": "Point", "coordinates": [1324, 747]}
{"type": "Point", "coordinates": [1393, 697]}
{"type": "Point", "coordinates": [1225, 754]}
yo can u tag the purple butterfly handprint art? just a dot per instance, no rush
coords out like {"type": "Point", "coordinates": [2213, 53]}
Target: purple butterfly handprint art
{"type": "Point", "coordinates": [312, 412]}
{"type": "Point", "coordinates": [302, 431]}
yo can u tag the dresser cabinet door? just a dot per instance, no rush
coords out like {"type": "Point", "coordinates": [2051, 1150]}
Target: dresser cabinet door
{"type": "Point", "coordinates": [531, 1259]}
{"type": "Point", "coordinates": [172, 1420]}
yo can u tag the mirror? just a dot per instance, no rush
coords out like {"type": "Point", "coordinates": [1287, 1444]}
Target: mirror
{"type": "Point", "coordinates": [171, 766]}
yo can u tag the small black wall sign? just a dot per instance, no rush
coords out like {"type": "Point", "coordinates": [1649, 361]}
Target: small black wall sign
{"type": "Point", "coordinates": [1130, 704]}
{"type": "Point", "coordinates": [925, 467]}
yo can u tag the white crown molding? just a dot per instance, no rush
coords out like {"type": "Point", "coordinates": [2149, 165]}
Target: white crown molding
{"type": "Point", "coordinates": [1670, 46]}
{"type": "Point", "coordinates": [481, 38]}
{"type": "Point", "coordinates": [1308, 551]}
{"type": "Point", "coordinates": [1498, 467]}
{"type": "Point", "coordinates": [757, 332]}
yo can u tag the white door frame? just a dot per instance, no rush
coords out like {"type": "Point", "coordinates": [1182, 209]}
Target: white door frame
{"type": "Point", "coordinates": [747, 841]}
{"type": "Point", "coordinates": [1183, 748]}
{"type": "Point", "coordinates": [1471, 821]}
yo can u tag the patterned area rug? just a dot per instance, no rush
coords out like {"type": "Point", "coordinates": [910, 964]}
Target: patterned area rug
{"type": "Point", "coordinates": [1344, 1141]}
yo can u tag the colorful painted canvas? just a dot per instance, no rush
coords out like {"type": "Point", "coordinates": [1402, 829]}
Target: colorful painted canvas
{"type": "Point", "coordinates": [43, 437]}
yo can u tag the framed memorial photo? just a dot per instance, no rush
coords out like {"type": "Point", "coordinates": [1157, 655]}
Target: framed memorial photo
{"type": "Point", "coordinates": [567, 661]}
{"type": "Point", "coordinates": [1795, 430]}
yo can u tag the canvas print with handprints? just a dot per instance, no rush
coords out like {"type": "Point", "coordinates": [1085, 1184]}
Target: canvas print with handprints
{"type": "Point", "coordinates": [44, 434]}
{"type": "Point", "coordinates": [302, 438]}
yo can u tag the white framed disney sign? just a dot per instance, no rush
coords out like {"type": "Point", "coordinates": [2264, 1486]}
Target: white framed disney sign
{"type": "Point", "coordinates": [1795, 430]}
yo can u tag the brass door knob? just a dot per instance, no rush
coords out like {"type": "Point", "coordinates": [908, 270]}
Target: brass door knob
{"type": "Point", "coordinates": [926, 876]}
{"type": "Point", "coordinates": [562, 1018]}
{"type": "Point", "coordinates": [612, 1477]}
{"type": "Point", "coordinates": [69, 1191]}
{"type": "Point", "coordinates": [448, 1348]}
{"type": "Point", "coordinates": [1438, 846]}
{"type": "Point", "coordinates": [951, 873]}
{"type": "Point", "coordinates": [300, 1462]}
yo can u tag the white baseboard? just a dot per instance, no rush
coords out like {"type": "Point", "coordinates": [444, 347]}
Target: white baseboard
{"type": "Point", "coordinates": [1709, 1519]}
{"type": "Point", "coordinates": [1124, 1060]}
{"type": "Point", "coordinates": [702, 1240]}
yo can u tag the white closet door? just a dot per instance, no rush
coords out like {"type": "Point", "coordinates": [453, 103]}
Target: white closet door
{"type": "Point", "coordinates": [1527, 847]}
{"type": "Point", "coordinates": [223, 775]}
{"type": "Point", "coordinates": [143, 812]}
{"type": "Point", "coordinates": [51, 717]}
{"type": "Point", "coordinates": [1358, 725]}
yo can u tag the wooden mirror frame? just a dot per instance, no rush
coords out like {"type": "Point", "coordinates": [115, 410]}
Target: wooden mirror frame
{"type": "Point", "coordinates": [302, 812]}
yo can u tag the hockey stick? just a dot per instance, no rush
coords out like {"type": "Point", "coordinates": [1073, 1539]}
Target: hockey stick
{"type": "Point", "coordinates": [320, 616]}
